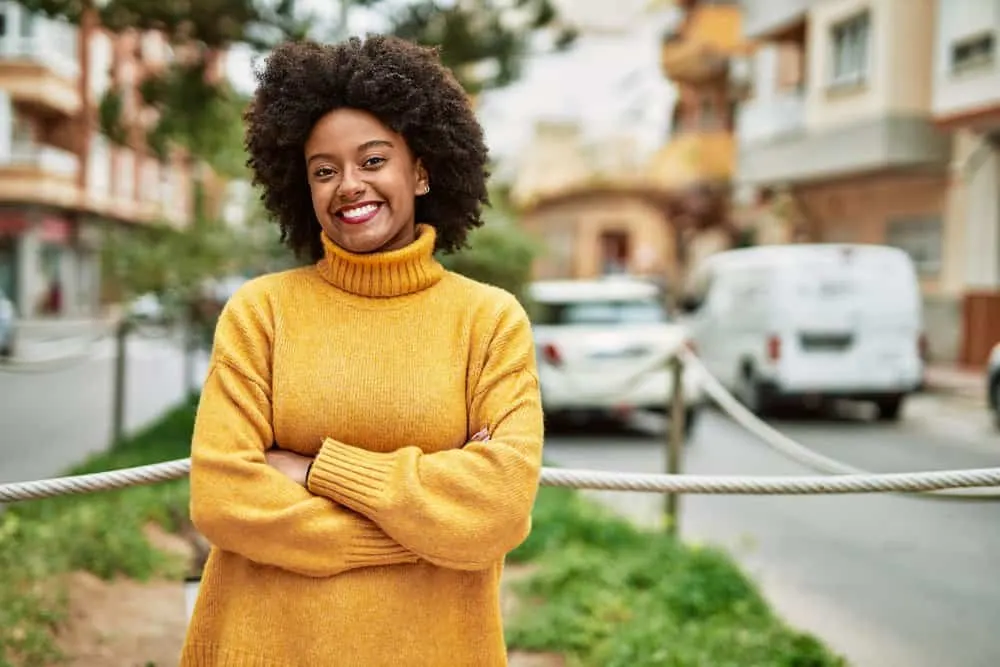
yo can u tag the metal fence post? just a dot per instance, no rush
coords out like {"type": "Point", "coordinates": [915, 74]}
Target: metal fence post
{"type": "Point", "coordinates": [675, 442]}
{"type": "Point", "coordinates": [118, 388]}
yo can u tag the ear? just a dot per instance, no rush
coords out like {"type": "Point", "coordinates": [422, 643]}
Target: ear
{"type": "Point", "coordinates": [422, 184]}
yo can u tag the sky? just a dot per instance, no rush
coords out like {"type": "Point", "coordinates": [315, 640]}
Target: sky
{"type": "Point", "coordinates": [610, 82]}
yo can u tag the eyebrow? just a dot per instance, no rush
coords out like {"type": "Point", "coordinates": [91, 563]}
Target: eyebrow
{"type": "Point", "coordinates": [368, 145]}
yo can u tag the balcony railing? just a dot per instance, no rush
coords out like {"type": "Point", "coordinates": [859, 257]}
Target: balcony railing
{"type": "Point", "coordinates": [47, 159]}
{"type": "Point", "coordinates": [762, 18]}
{"type": "Point", "coordinates": [762, 120]}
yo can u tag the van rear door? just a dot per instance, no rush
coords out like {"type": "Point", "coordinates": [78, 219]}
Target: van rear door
{"type": "Point", "coordinates": [853, 318]}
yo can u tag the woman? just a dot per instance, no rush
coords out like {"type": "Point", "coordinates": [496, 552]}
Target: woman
{"type": "Point", "coordinates": [359, 513]}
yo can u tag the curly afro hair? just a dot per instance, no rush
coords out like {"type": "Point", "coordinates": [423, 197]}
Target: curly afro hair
{"type": "Point", "coordinates": [403, 85]}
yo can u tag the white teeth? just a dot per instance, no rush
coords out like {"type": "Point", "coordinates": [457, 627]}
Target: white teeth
{"type": "Point", "coordinates": [360, 212]}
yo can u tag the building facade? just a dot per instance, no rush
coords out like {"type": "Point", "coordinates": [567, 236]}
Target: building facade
{"type": "Point", "coordinates": [62, 183]}
{"type": "Point", "coordinates": [966, 102]}
{"type": "Point", "coordinates": [839, 127]}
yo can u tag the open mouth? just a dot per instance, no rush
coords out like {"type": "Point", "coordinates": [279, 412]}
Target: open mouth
{"type": "Point", "coordinates": [359, 214]}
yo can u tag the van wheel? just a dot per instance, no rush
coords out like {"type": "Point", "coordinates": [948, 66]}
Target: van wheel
{"type": "Point", "coordinates": [890, 408]}
{"type": "Point", "coordinates": [691, 416]}
{"type": "Point", "coordinates": [752, 394]}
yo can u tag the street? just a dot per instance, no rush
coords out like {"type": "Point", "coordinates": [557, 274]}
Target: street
{"type": "Point", "coordinates": [54, 414]}
{"type": "Point", "coordinates": [884, 580]}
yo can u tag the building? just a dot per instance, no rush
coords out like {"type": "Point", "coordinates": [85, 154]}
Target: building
{"type": "Point", "coordinates": [966, 101]}
{"type": "Point", "coordinates": [839, 128]}
{"type": "Point", "coordinates": [580, 180]}
{"type": "Point", "coordinates": [697, 162]}
{"type": "Point", "coordinates": [62, 183]}
{"type": "Point", "coordinates": [586, 203]}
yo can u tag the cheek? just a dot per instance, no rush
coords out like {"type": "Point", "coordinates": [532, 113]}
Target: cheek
{"type": "Point", "coordinates": [320, 193]}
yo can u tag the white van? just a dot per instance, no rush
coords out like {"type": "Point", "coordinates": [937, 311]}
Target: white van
{"type": "Point", "coordinates": [819, 321]}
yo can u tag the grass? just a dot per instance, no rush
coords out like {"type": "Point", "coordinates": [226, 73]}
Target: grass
{"type": "Point", "coordinates": [101, 533]}
{"type": "Point", "coordinates": [608, 594]}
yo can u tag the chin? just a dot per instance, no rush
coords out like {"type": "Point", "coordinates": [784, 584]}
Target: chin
{"type": "Point", "coordinates": [360, 241]}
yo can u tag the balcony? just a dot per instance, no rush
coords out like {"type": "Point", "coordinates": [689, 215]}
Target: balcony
{"type": "Point", "coordinates": [692, 158]}
{"type": "Point", "coordinates": [42, 72]}
{"type": "Point", "coordinates": [683, 60]}
{"type": "Point", "coordinates": [40, 174]}
{"type": "Point", "coordinates": [885, 142]}
{"type": "Point", "coordinates": [764, 120]}
{"type": "Point", "coordinates": [768, 19]}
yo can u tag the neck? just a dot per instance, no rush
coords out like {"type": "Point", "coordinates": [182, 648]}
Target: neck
{"type": "Point", "coordinates": [385, 274]}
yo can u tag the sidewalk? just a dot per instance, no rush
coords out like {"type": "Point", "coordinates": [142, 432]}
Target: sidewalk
{"type": "Point", "coordinates": [956, 381]}
{"type": "Point", "coordinates": [51, 339]}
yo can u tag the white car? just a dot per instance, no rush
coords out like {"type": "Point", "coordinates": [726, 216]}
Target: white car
{"type": "Point", "coordinates": [602, 347]}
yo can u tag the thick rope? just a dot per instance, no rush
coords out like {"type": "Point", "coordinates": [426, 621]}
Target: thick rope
{"type": "Point", "coordinates": [579, 479]}
{"type": "Point", "coordinates": [789, 448]}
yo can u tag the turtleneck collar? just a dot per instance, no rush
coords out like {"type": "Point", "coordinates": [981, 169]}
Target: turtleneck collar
{"type": "Point", "coordinates": [384, 274]}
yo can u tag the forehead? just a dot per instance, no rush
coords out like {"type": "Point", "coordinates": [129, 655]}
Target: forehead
{"type": "Point", "coordinates": [347, 129]}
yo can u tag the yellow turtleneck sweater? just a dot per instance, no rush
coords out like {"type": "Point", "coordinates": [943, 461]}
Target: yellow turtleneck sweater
{"type": "Point", "coordinates": [382, 366]}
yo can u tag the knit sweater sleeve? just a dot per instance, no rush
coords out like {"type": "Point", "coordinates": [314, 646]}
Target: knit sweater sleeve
{"type": "Point", "coordinates": [239, 502]}
{"type": "Point", "coordinates": [460, 508]}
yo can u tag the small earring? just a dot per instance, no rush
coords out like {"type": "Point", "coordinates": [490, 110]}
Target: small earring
{"type": "Point", "coordinates": [427, 188]}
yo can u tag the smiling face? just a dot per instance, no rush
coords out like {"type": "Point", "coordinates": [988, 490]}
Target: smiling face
{"type": "Point", "coordinates": [364, 181]}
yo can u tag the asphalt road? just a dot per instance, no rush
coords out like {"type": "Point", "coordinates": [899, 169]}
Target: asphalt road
{"type": "Point", "coordinates": [887, 581]}
{"type": "Point", "coordinates": [53, 414]}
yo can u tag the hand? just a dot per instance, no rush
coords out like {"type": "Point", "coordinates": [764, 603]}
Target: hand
{"type": "Point", "coordinates": [482, 436]}
{"type": "Point", "coordinates": [293, 466]}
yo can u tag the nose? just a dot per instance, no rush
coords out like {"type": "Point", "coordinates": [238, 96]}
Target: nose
{"type": "Point", "coordinates": [351, 186]}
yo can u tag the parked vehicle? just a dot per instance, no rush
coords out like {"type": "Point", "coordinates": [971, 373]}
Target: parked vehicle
{"type": "Point", "coordinates": [993, 383]}
{"type": "Point", "coordinates": [779, 324]}
{"type": "Point", "coordinates": [598, 344]}
{"type": "Point", "coordinates": [7, 321]}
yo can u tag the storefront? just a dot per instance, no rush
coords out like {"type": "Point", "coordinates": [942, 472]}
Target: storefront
{"type": "Point", "coordinates": [48, 265]}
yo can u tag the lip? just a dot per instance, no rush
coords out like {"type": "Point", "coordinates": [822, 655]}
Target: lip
{"type": "Point", "coordinates": [360, 220]}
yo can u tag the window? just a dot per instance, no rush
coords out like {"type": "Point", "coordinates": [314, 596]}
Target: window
{"type": "Point", "coordinates": [972, 53]}
{"type": "Point", "coordinates": [921, 239]}
{"type": "Point", "coordinates": [851, 50]}
{"type": "Point", "coordinates": [645, 311]}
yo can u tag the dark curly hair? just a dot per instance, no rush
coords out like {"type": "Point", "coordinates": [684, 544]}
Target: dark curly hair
{"type": "Point", "coordinates": [403, 85]}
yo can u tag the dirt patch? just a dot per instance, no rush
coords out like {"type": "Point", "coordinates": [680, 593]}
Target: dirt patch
{"type": "Point", "coordinates": [125, 623]}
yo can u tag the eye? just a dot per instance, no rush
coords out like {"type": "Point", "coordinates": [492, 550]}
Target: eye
{"type": "Point", "coordinates": [373, 162]}
{"type": "Point", "coordinates": [323, 172]}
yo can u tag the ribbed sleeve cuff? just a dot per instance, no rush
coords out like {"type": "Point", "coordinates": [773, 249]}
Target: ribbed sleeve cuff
{"type": "Point", "coordinates": [371, 546]}
{"type": "Point", "coordinates": [351, 476]}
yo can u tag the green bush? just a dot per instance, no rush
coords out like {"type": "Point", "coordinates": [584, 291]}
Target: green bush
{"type": "Point", "coordinates": [610, 595]}
{"type": "Point", "coordinates": [500, 254]}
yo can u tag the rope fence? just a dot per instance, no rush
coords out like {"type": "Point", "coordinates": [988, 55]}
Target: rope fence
{"type": "Point", "coordinates": [839, 478]}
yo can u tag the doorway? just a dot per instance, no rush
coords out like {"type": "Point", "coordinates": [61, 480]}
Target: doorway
{"type": "Point", "coordinates": [615, 253]}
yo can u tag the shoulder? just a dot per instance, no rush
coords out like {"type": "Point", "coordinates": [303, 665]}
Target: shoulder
{"type": "Point", "coordinates": [263, 292]}
{"type": "Point", "coordinates": [498, 322]}
{"type": "Point", "coordinates": [489, 304]}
